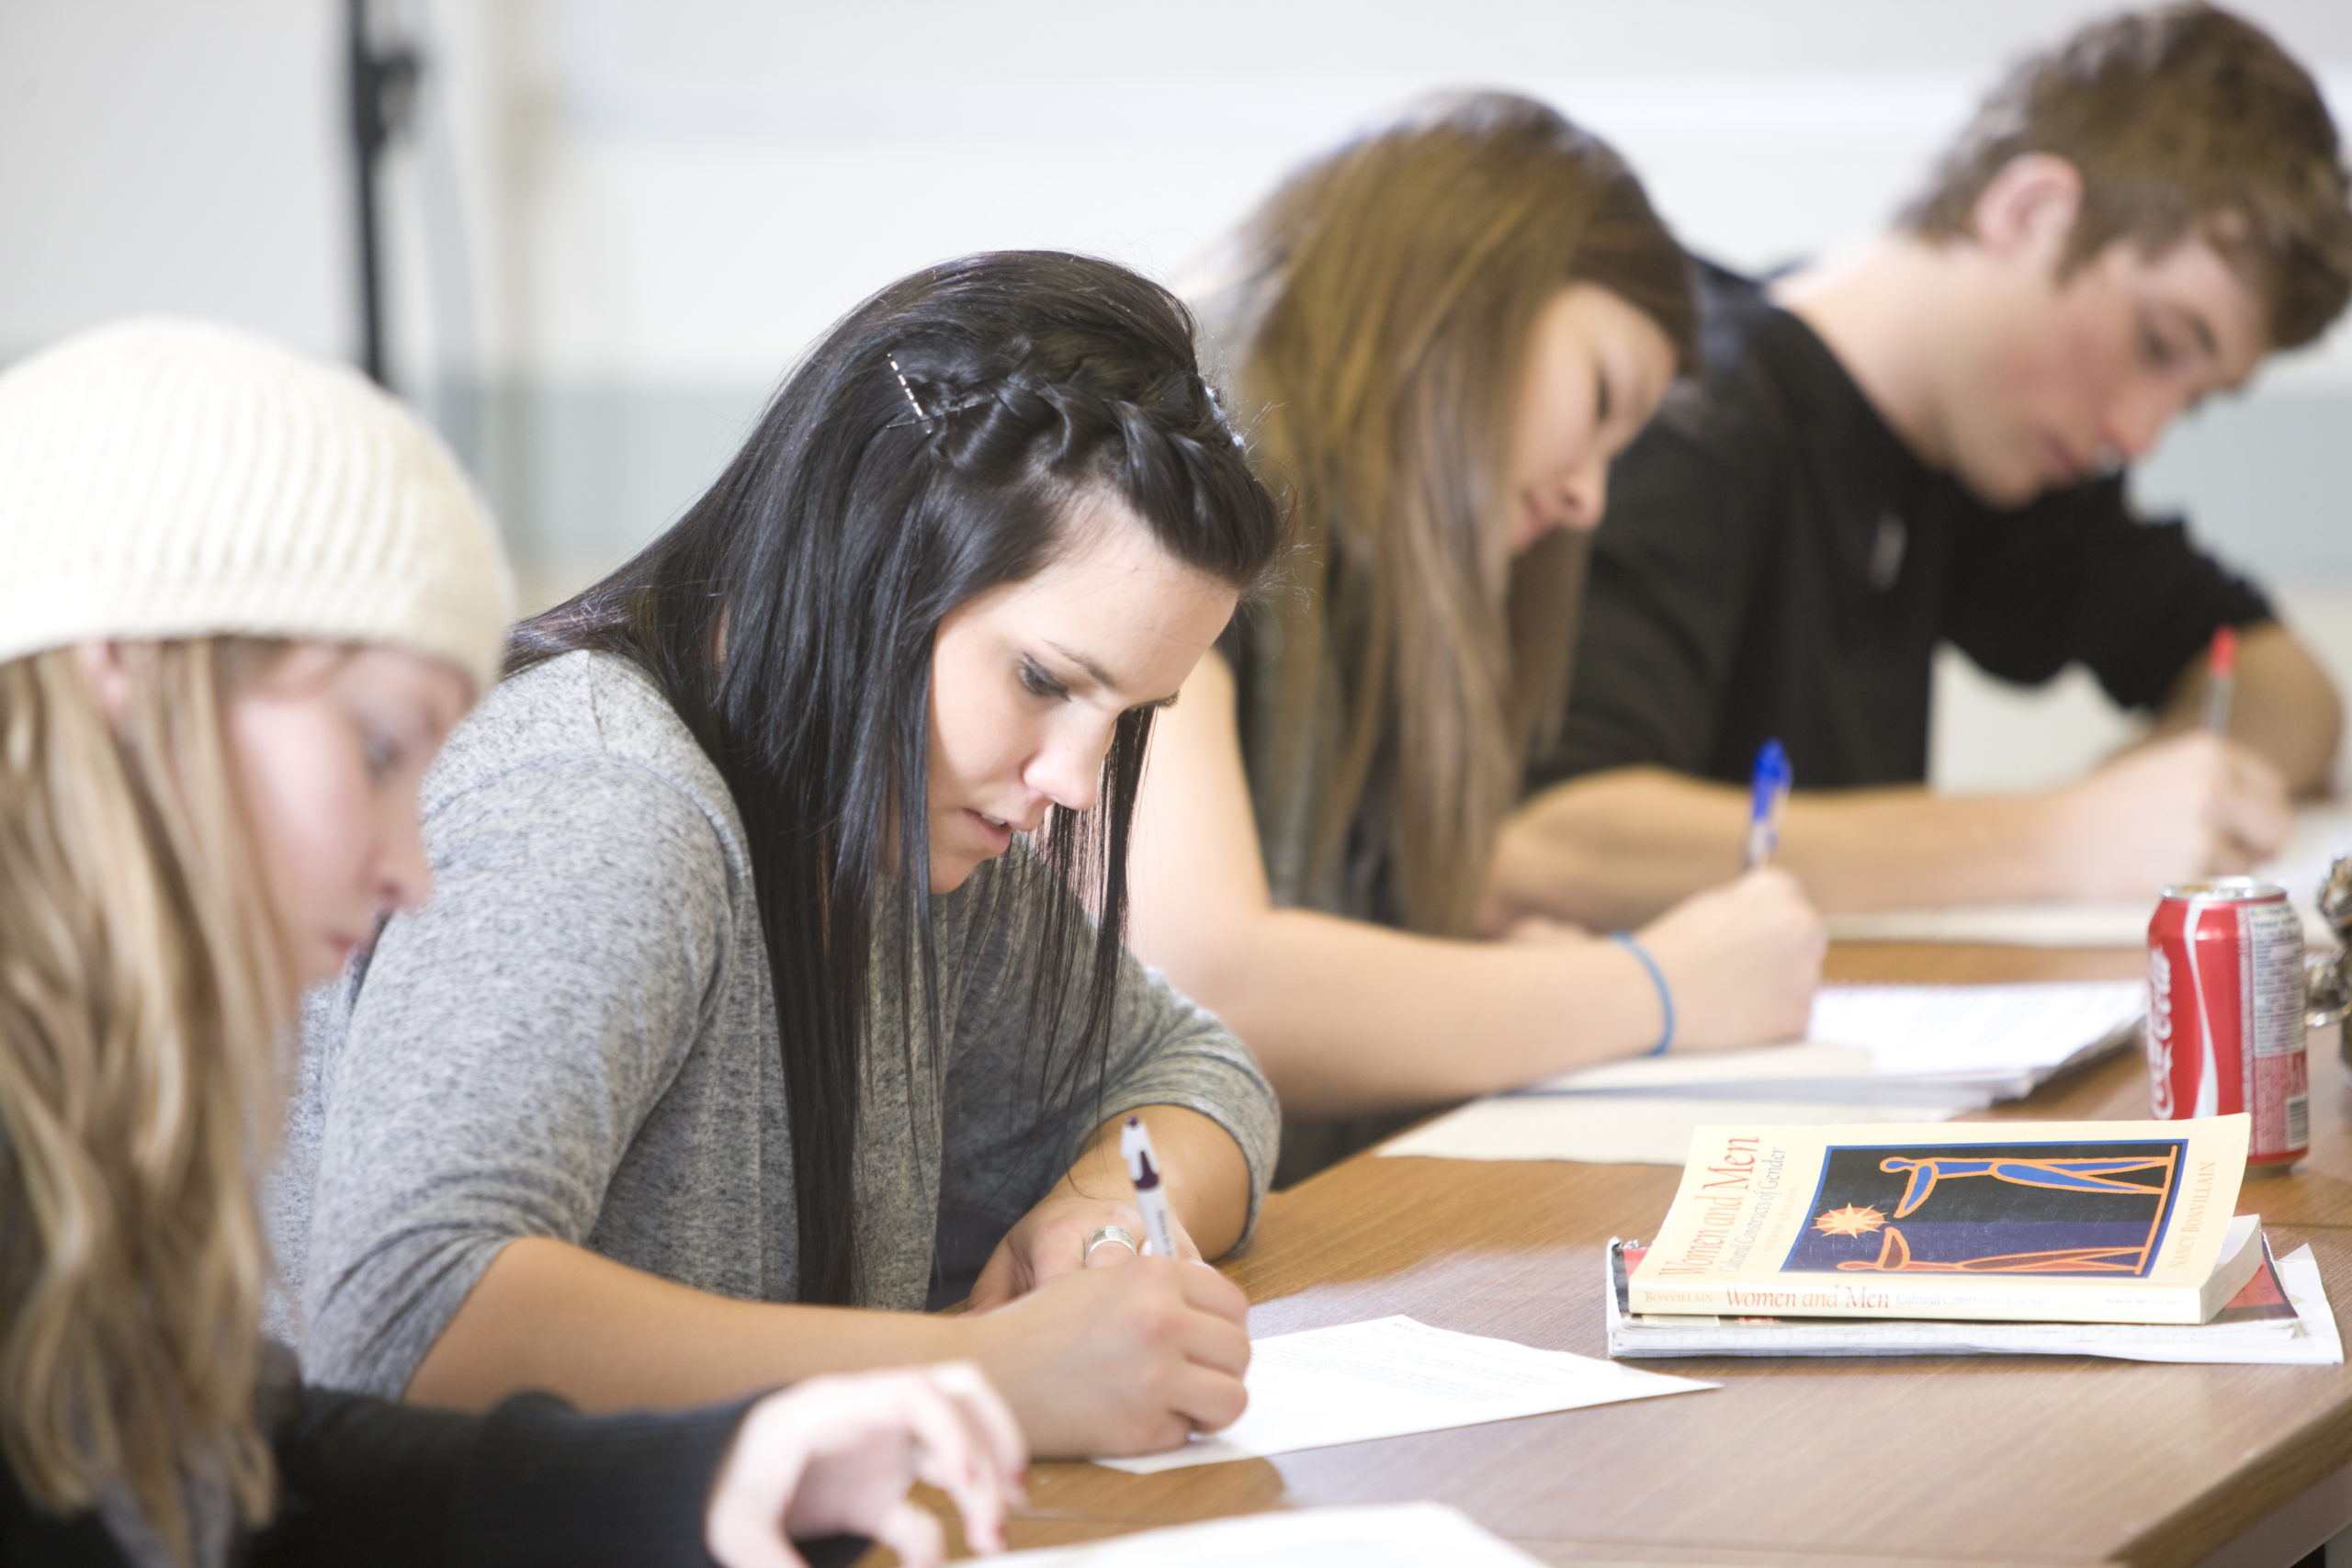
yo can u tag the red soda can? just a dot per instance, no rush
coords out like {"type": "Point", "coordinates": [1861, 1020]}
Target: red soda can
{"type": "Point", "coordinates": [2225, 1027]}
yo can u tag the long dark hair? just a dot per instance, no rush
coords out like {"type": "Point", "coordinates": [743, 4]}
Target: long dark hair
{"type": "Point", "coordinates": [933, 446]}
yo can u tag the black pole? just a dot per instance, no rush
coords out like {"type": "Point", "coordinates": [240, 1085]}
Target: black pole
{"type": "Point", "coordinates": [382, 84]}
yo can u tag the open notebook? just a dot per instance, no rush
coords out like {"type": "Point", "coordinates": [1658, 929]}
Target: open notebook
{"type": "Point", "coordinates": [1872, 1053]}
{"type": "Point", "coordinates": [1971, 1045]}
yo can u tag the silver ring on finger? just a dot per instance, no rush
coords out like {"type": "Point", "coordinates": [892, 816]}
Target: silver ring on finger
{"type": "Point", "coordinates": [1102, 1235]}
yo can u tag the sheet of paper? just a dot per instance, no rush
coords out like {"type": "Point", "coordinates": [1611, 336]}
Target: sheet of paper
{"type": "Point", "coordinates": [2321, 833]}
{"type": "Point", "coordinates": [2310, 1338]}
{"type": "Point", "coordinates": [1389, 1535]}
{"type": "Point", "coordinates": [1393, 1375]}
{"type": "Point", "coordinates": [1707, 1070]}
{"type": "Point", "coordinates": [2319, 1344]}
{"type": "Point", "coordinates": [1625, 1129]}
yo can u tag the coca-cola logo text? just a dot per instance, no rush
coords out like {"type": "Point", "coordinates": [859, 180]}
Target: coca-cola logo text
{"type": "Point", "coordinates": [2159, 1034]}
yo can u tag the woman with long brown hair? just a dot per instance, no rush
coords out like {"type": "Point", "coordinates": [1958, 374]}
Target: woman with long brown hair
{"type": "Point", "coordinates": [242, 600]}
{"type": "Point", "coordinates": [1439, 335]}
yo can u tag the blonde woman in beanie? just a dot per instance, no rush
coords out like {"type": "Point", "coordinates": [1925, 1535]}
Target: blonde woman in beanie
{"type": "Point", "coordinates": [244, 598]}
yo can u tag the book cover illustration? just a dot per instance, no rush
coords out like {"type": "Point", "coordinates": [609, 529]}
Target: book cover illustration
{"type": "Point", "coordinates": [2083, 1222]}
{"type": "Point", "coordinates": [2093, 1208]}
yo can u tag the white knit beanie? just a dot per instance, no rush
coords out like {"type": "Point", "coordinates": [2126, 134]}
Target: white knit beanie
{"type": "Point", "coordinates": [169, 479]}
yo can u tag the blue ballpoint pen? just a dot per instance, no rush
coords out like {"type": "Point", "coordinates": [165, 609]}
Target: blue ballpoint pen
{"type": "Point", "coordinates": [1769, 794]}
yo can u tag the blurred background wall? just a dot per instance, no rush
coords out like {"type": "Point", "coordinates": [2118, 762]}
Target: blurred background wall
{"type": "Point", "coordinates": [610, 224]}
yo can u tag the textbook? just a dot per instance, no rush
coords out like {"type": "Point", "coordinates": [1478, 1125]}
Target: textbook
{"type": "Point", "coordinates": [2055, 1222]}
{"type": "Point", "coordinates": [2279, 1316]}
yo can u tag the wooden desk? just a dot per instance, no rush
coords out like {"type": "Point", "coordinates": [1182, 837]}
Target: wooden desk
{"type": "Point", "coordinates": [1917, 1461]}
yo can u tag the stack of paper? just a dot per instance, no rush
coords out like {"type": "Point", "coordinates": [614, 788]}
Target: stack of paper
{"type": "Point", "coordinates": [1393, 1535]}
{"type": "Point", "coordinates": [2281, 1317]}
{"type": "Point", "coordinates": [2321, 834]}
{"type": "Point", "coordinates": [1394, 1375]}
{"type": "Point", "coordinates": [1872, 1053]}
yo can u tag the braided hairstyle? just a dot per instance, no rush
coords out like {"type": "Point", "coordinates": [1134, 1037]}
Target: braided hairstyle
{"type": "Point", "coordinates": [933, 446]}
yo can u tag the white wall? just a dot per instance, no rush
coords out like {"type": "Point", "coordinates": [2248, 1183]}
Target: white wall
{"type": "Point", "coordinates": [711, 182]}
{"type": "Point", "coordinates": [686, 190]}
{"type": "Point", "coordinates": [162, 155]}
{"type": "Point", "coordinates": [620, 219]}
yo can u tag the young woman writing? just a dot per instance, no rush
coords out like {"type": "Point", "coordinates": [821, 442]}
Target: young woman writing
{"type": "Point", "coordinates": [242, 598]}
{"type": "Point", "coordinates": [745, 1021]}
{"type": "Point", "coordinates": [1442, 333]}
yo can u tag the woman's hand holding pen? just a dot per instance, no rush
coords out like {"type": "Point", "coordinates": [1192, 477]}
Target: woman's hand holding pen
{"type": "Point", "coordinates": [1125, 1358]}
{"type": "Point", "coordinates": [1051, 1241]}
{"type": "Point", "coordinates": [1742, 960]}
{"type": "Point", "coordinates": [1105, 1350]}
{"type": "Point", "coordinates": [835, 1455]}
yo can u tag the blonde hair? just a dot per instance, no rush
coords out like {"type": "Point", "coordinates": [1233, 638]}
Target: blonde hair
{"type": "Point", "coordinates": [141, 997]}
{"type": "Point", "coordinates": [1377, 311]}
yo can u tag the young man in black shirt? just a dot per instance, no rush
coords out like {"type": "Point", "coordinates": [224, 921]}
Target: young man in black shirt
{"type": "Point", "coordinates": [1923, 442]}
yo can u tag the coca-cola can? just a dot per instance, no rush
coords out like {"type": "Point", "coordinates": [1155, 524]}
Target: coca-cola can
{"type": "Point", "coordinates": [2225, 1013]}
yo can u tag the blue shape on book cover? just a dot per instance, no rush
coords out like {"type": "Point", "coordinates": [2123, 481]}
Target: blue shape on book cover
{"type": "Point", "coordinates": [2092, 1209]}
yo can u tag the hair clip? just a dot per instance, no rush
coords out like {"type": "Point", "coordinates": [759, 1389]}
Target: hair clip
{"type": "Point", "coordinates": [921, 417]}
{"type": "Point", "coordinates": [1217, 409]}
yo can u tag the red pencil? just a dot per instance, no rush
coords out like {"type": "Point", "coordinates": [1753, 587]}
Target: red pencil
{"type": "Point", "coordinates": [2221, 676]}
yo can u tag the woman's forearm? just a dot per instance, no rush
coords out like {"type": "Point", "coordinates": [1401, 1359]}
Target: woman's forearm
{"type": "Point", "coordinates": [1347, 1017]}
{"type": "Point", "coordinates": [557, 1317]}
{"type": "Point", "coordinates": [1107, 1360]}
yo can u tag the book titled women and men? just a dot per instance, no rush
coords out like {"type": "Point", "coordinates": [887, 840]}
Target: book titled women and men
{"type": "Point", "coordinates": [2094, 1222]}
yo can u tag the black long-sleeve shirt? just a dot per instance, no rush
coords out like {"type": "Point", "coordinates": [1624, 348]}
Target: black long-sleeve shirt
{"type": "Point", "coordinates": [1776, 562]}
{"type": "Point", "coordinates": [365, 1481]}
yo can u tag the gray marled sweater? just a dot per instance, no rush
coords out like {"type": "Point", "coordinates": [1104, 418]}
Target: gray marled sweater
{"type": "Point", "coordinates": [575, 1038]}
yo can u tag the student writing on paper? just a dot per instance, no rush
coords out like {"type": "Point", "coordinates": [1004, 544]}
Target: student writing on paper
{"type": "Point", "coordinates": [1439, 335]}
{"type": "Point", "coordinates": [243, 599]}
{"type": "Point", "coordinates": [1923, 442]}
{"type": "Point", "coordinates": [754, 1012]}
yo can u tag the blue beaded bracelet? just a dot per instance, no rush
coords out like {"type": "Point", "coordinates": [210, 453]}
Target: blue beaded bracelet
{"type": "Point", "coordinates": [1658, 978]}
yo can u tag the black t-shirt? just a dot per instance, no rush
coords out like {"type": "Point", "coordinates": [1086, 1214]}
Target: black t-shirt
{"type": "Point", "coordinates": [1776, 562]}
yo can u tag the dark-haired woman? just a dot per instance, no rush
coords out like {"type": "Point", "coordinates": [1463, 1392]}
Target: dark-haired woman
{"type": "Point", "coordinates": [755, 1010]}
{"type": "Point", "coordinates": [1450, 326]}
